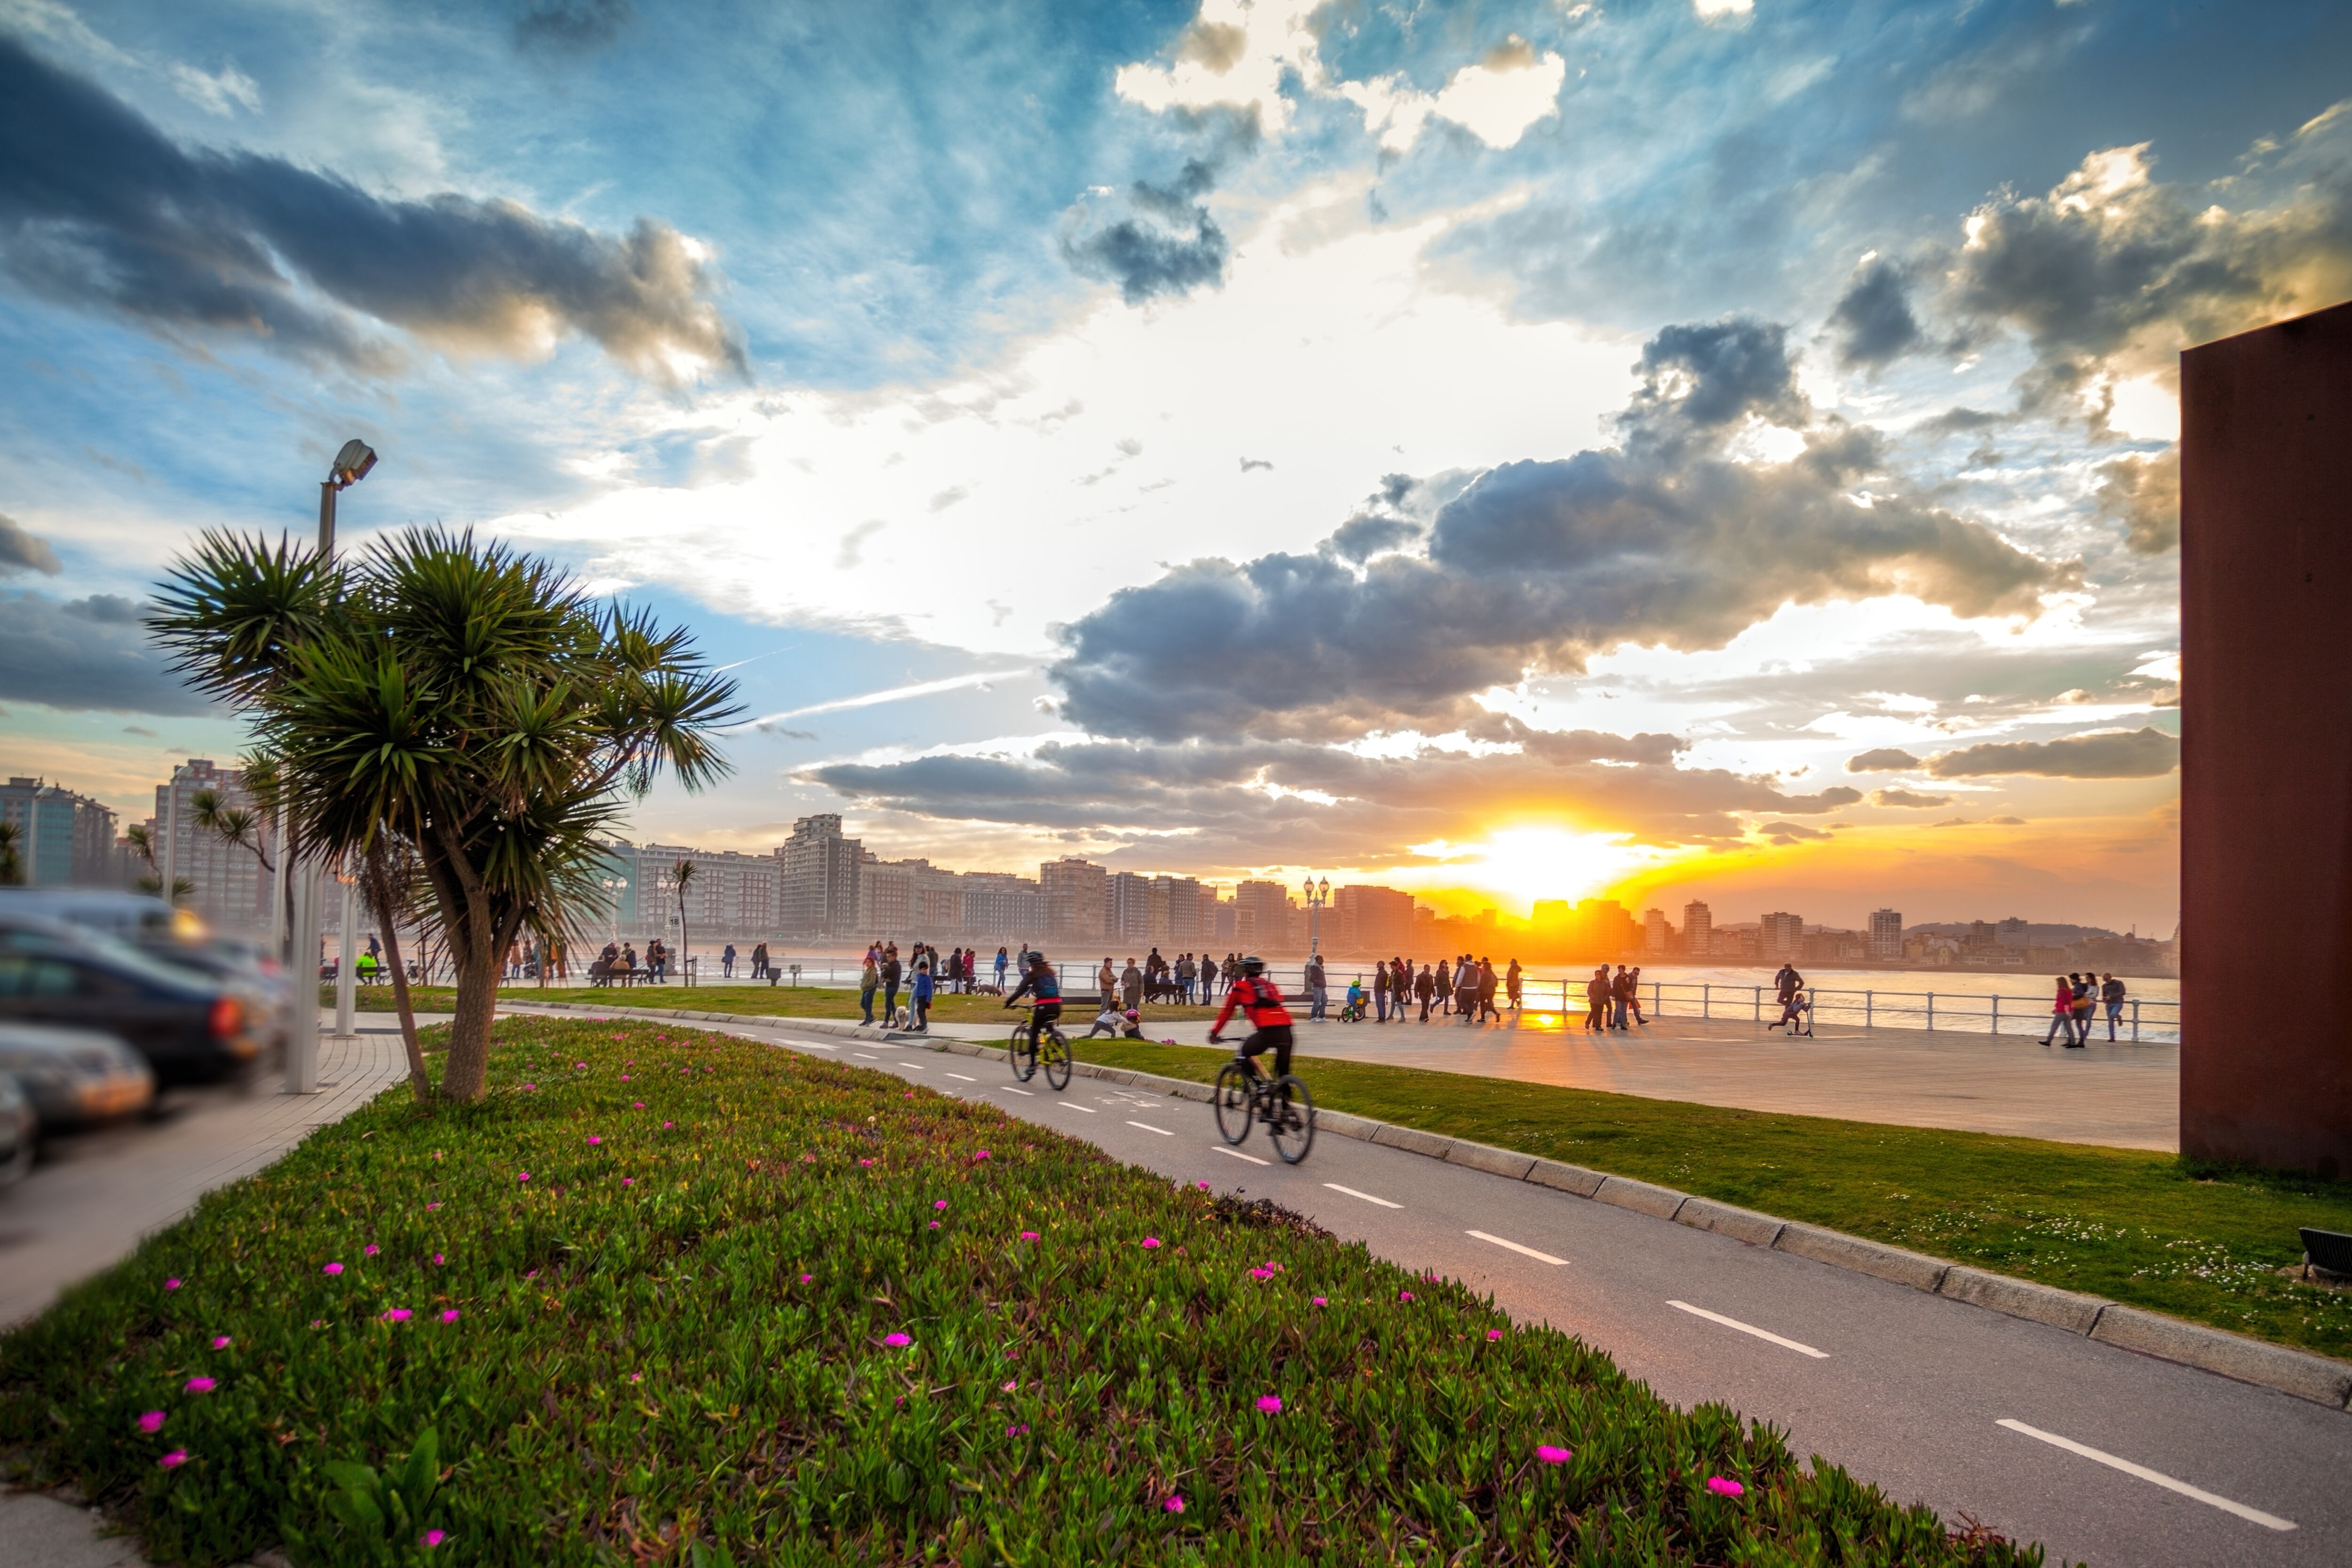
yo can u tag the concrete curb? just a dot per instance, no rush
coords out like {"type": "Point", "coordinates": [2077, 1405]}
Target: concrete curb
{"type": "Point", "coordinates": [2320, 1379]}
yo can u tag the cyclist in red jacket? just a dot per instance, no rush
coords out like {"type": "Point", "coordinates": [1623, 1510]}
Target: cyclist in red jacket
{"type": "Point", "coordinates": [1259, 996]}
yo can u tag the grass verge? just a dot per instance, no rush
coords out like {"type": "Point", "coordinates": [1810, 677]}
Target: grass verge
{"type": "Point", "coordinates": [781, 1000]}
{"type": "Point", "coordinates": [664, 1289]}
{"type": "Point", "coordinates": [2149, 1229]}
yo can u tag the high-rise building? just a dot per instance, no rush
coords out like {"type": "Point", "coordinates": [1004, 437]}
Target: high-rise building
{"type": "Point", "coordinates": [1654, 932]}
{"type": "Point", "coordinates": [1886, 933]}
{"type": "Point", "coordinates": [1176, 911]}
{"type": "Point", "coordinates": [2012, 933]}
{"type": "Point", "coordinates": [730, 895]}
{"type": "Point", "coordinates": [1374, 920]}
{"type": "Point", "coordinates": [62, 838]}
{"type": "Point", "coordinates": [907, 899]}
{"type": "Point", "coordinates": [1076, 889]}
{"type": "Point", "coordinates": [817, 877]}
{"type": "Point", "coordinates": [1601, 927]}
{"type": "Point", "coordinates": [1550, 913]}
{"type": "Point", "coordinates": [1699, 930]}
{"type": "Point", "coordinates": [1262, 916]}
{"type": "Point", "coordinates": [1004, 910]}
{"type": "Point", "coordinates": [1127, 911]}
{"type": "Point", "coordinates": [231, 887]}
{"type": "Point", "coordinates": [1781, 935]}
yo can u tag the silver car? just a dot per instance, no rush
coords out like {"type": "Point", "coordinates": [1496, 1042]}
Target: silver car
{"type": "Point", "coordinates": [20, 1131]}
{"type": "Point", "coordinates": [75, 1077]}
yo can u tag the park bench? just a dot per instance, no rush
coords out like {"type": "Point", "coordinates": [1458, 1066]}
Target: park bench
{"type": "Point", "coordinates": [2328, 1251]}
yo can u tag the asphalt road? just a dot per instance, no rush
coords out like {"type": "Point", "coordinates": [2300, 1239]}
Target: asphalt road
{"type": "Point", "coordinates": [2103, 1456]}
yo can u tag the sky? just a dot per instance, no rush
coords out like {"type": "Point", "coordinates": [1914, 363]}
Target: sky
{"type": "Point", "coordinates": [1668, 450]}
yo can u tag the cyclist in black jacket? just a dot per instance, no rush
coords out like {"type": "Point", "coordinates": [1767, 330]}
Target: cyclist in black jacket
{"type": "Point", "coordinates": [1038, 982]}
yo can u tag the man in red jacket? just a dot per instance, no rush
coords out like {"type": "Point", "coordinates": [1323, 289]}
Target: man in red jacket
{"type": "Point", "coordinates": [1257, 996]}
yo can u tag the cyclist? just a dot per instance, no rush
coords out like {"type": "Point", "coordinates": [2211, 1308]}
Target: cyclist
{"type": "Point", "coordinates": [1256, 995]}
{"type": "Point", "coordinates": [1038, 982]}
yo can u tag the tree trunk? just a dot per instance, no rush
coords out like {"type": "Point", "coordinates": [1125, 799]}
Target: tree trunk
{"type": "Point", "coordinates": [476, 963]}
{"type": "Point", "coordinates": [379, 893]}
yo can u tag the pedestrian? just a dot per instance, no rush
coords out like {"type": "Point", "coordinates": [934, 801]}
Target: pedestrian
{"type": "Point", "coordinates": [1621, 998]}
{"type": "Point", "coordinates": [1318, 996]}
{"type": "Point", "coordinates": [1487, 981]}
{"type": "Point", "coordinates": [1514, 981]}
{"type": "Point", "coordinates": [1002, 960]}
{"type": "Point", "coordinates": [1788, 986]}
{"type": "Point", "coordinates": [1381, 991]}
{"type": "Point", "coordinates": [919, 992]}
{"type": "Point", "coordinates": [1596, 1001]}
{"type": "Point", "coordinates": [1425, 986]}
{"type": "Point", "coordinates": [1633, 996]}
{"type": "Point", "coordinates": [869, 980]}
{"type": "Point", "coordinates": [2111, 991]}
{"type": "Point", "coordinates": [2087, 1002]}
{"type": "Point", "coordinates": [2062, 1011]}
{"type": "Point", "coordinates": [727, 962]}
{"type": "Point", "coordinates": [1130, 985]}
{"type": "Point", "coordinates": [891, 973]}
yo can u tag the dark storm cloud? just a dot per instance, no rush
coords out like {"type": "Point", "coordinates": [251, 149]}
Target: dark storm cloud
{"type": "Point", "coordinates": [1885, 760]}
{"type": "Point", "coordinates": [571, 26]}
{"type": "Point", "coordinates": [2143, 495]}
{"type": "Point", "coordinates": [1535, 566]}
{"type": "Point", "coordinates": [2119, 755]}
{"type": "Point", "coordinates": [23, 552]}
{"type": "Point", "coordinates": [1245, 794]}
{"type": "Point", "coordinates": [88, 653]}
{"type": "Point", "coordinates": [99, 208]}
{"type": "Point", "coordinates": [1872, 323]}
{"type": "Point", "coordinates": [1157, 238]}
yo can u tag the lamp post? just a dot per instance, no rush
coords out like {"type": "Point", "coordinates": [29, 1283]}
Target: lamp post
{"type": "Point", "coordinates": [351, 466]}
{"type": "Point", "coordinates": [1318, 895]}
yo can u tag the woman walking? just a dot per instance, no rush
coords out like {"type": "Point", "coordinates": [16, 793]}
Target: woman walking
{"type": "Point", "coordinates": [2061, 1014]}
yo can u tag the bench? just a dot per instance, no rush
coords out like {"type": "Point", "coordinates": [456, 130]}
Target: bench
{"type": "Point", "coordinates": [2328, 1251]}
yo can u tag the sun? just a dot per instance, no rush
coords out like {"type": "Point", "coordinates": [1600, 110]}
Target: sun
{"type": "Point", "coordinates": [1521, 864]}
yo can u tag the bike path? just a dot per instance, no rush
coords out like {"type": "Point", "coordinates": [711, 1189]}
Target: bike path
{"type": "Point", "coordinates": [2101, 1455]}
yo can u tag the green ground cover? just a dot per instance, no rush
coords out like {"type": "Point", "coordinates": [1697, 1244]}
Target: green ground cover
{"type": "Point", "coordinates": [788, 1309]}
{"type": "Point", "coordinates": [783, 1001]}
{"type": "Point", "coordinates": [2145, 1228]}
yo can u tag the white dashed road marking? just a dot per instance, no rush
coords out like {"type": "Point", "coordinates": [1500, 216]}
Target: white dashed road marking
{"type": "Point", "coordinates": [1750, 1329]}
{"type": "Point", "coordinates": [868, 1056]}
{"type": "Point", "coordinates": [1515, 1246]}
{"type": "Point", "coordinates": [1149, 1128]}
{"type": "Point", "coordinates": [2255, 1515]}
{"type": "Point", "coordinates": [1067, 1106]}
{"type": "Point", "coordinates": [965, 1079]}
{"type": "Point", "coordinates": [1237, 1153]}
{"type": "Point", "coordinates": [1010, 1089]}
{"type": "Point", "coordinates": [1366, 1196]}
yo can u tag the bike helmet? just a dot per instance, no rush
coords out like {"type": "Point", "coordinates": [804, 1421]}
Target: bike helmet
{"type": "Point", "coordinates": [1036, 959]}
{"type": "Point", "coordinates": [1253, 967]}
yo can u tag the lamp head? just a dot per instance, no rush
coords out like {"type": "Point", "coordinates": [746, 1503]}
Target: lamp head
{"type": "Point", "coordinates": [351, 464]}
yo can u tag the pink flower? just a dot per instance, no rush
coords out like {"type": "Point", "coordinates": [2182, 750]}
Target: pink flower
{"type": "Point", "coordinates": [530, 1086]}
{"type": "Point", "coordinates": [1028, 1235]}
{"type": "Point", "coordinates": [332, 1268]}
{"type": "Point", "coordinates": [199, 1385]}
{"type": "Point", "coordinates": [1175, 1503]}
{"type": "Point", "coordinates": [1723, 1487]}
{"type": "Point", "coordinates": [1261, 1273]}
{"type": "Point", "coordinates": [436, 1258]}
{"type": "Point", "coordinates": [1551, 1456]}
{"type": "Point", "coordinates": [370, 1250]}
{"type": "Point", "coordinates": [1150, 1242]}
{"type": "Point", "coordinates": [935, 1225]}
{"type": "Point", "coordinates": [220, 1341]}
{"type": "Point", "coordinates": [430, 1207]}
{"type": "Point", "coordinates": [1270, 1404]}
{"type": "Point", "coordinates": [667, 1125]}
{"type": "Point", "coordinates": [151, 1422]}
{"type": "Point", "coordinates": [1018, 1430]}
{"type": "Point", "coordinates": [1494, 1334]}
{"type": "Point", "coordinates": [449, 1315]}
{"type": "Point", "coordinates": [637, 1105]}
{"type": "Point", "coordinates": [1009, 1388]}
{"type": "Point", "coordinates": [397, 1315]}
{"type": "Point", "coordinates": [524, 1177]}
{"type": "Point", "coordinates": [431, 1539]}
{"type": "Point", "coordinates": [864, 1161]}
{"type": "Point", "coordinates": [628, 1181]}
{"type": "Point", "coordinates": [1203, 1185]}
{"type": "Point", "coordinates": [941, 1205]}
{"type": "Point", "coordinates": [170, 1284]}
{"type": "Point", "coordinates": [979, 1156]}
{"type": "Point", "coordinates": [1321, 1302]}
{"type": "Point", "coordinates": [806, 1277]}
{"type": "Point", "coordinates": [582, 1067]}
{"type": "Point", "coordinates": [625, 1078]}
{"type": "Point", "coordinates": [1404, 1295]}
{"type": "Point", "coordinates": [895, 1341]}
{"type": "Point", "coordinates": [173, 1461]}
{"type": "Point", "coordinates": [593, 1140]}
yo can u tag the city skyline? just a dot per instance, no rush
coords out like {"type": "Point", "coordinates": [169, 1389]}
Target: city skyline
{"type": "Point", "coordinates": [1297, 438]}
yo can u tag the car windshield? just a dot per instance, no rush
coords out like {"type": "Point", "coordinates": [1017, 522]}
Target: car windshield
{"type": "Point", "coordinates": [113, 949]}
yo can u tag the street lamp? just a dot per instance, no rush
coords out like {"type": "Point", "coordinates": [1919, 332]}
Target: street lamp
{"type": "Point", "coordinates": [351, 466]}
{"type": "Point", "coordinates": [1318, 895]}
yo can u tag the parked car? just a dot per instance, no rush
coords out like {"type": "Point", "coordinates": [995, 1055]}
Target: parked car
{"type": "Point", "coordinates": [177, 936]}
{"type": "Point", "coordinates": [20, 1132]}
{"type": "Point", "coordinates": [75, 1077]}
{"type": "Point", "coordinates": [190, 1027]}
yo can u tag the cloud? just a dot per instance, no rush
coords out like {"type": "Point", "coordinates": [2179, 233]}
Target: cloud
{"type": "Point", "coordinates": [2143, 495]}
{"type": "Point", "coordinates": [1497, 100]}
{"type": "Point", "coordinates": [1535, 566]}
{"type": "Point", "coordinates": [852, 549]}
{"type": "Point", "coordinates": [100, 209]}
{"type": "Point", "coordinates": [1160, 240]}
{"type": "Point", "coordinates": [86, 654]}
{"type": "Point", "coordinates": [1884, 760]}
{"type": "Point", "coordinates": [1873, 321]}
{"type": "Point", "coordinates": [2108, 754]}
{"type": "Point", "coordinates": [570, 27]}
{"type": "Point", "coordinates": [23, 552]}
{"type": "Point", "coordinates": [1906, 798]}
{"type": "Point", "coordinates": [1786, 833]}
{"type": "Point", "coordinates": [2004, 821]}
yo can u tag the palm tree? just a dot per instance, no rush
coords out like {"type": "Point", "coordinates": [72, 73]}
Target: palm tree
{"type": "Point", "coordinates": [142, 844]}
{"type": "Point", "coordinates": [12, 864]}
{"type": "Point", "coordinates": [456, 703]}
{"type": "Point", "coordinates": [680, 876]}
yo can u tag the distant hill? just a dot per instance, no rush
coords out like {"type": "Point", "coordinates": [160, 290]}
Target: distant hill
{"type": "Point", "coordinates": [2036, 935]}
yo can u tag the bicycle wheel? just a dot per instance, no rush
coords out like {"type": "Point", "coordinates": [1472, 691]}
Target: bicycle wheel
{"type": "Point", "coordinates": [1232, 1100]}
{"type": "Point", "coordinates": [1290, 1119]}
{"type": "Point", "coordinates": [1025, 1054]}
{"type": "Point", "coordinates": [1057, 1053]}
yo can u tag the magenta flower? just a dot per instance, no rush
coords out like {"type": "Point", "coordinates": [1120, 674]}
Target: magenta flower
{"type": "Point", "coordinates": [941, 1205]}
{"type": "Point", "coordinates": [935, 1225]}
{"type": "Point", "coordinates": [220, 1341]}
{"type": "Point", "coordinates": [896, 1341]}
{"type": "Point", "coordinates": [530, 1086]}
{"type": "Point", "coordinates": [370, 1250]}
{"type": "Point", "coordinates": [979, 1156]}
{"type": "Point", "coordinates": [173, 1461]}
{"type": "Point", "coordinates": [806, 1277]}
{"type": "Point", "coordinates": [864, 1163]}
{"type": "Point", "coordinates": [430, 1207]}
{"type": "Point", "coordinates": [397, 1315]}
{"type": "Point", "coordinates": [199, 1385]}
{"type": "Point", "coordinates": [170, 1284]}
{"type": "Point", "coordinates": [628, 1181]}
{"type": "Point", "coordinates": [1175, 1503]}
{"type": "Point", "coordinates": [1494, 1334]}
{"type": "Point", "coordinates": [1028, 1235]}
{"type": "Point", "coordinates": [151, 1422]}
{"type": "Point", "coordinates": [332, 1268]}
{"type": "Point", "coordinates": [431, 1539]}
{"type": "Point", "coordinates": [1723, 1487]}
{"type": "Point", "coordinates": [1551, 1456]}
{"type": "Point", "coordinates": [1404, 1295]}
{"type": "Point", "coordinates": [525, 1177]}
{"type": "Point", "coordinates": [1270, 1404]}
{"type": "Point", "coordinates": [1203, 1185]}
{"type": "Point", "coordinates": [436, 1258]}
{"type": "Point", "coordinates": [636, 1105]}
{"type": "Point", "coordinates": [1019, 1430]}
{"type": "Point", "coordinates": [449, 1315]}
{"type": "Point", "coordinates": [667, 1125]}
{"type": "Point", "coordinates": [625, 1078]}
{"type": "Point", "coordinates": [1321, 1302]}
{"type": "Point", "coordinates": [581, 1066]}
{"type": "Point", "coordinates": [1261, 1273]}
{"type": "Point", "coordinates": [593, 1140]}
{"type": "Point", "coordinates": [1150, 1242]}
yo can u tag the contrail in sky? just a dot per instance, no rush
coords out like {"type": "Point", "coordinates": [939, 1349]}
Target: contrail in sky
{"type": "Point", "coordinates": [894, 694]}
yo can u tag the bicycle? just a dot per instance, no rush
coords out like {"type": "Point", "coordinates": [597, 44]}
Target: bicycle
{"type": "Point", "coordinates": [1244, 1096]}
{"type": "Point", "coordinates": [1052, 1049]}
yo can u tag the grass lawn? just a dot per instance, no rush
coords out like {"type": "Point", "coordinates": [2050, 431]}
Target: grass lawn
{"type": "Point", "coordinates": [2145, 1229]}
{"type": "Point", "coordinates": [665, 1288]}
{"type": "Point", "coordinates": [783, 1001]}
